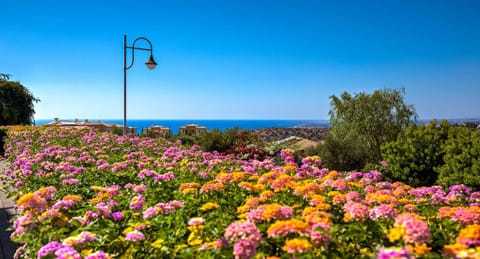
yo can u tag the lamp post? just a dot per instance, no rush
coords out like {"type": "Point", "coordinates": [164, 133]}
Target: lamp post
{"type": "Point", "coordinates": [151, 64]}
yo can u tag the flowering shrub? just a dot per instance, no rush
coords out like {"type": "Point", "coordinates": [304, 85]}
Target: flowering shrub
{"type": "Point", "coordinates": [82, 194]}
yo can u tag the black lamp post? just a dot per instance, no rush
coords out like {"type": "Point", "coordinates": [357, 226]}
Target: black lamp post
{"type": "Point", "coordinates": [151, 64]}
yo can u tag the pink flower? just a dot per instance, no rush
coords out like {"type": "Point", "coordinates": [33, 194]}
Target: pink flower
{"type": "Point", "coordinates": [244, 249]}
{"type": "Point", "coordinates": [134, 236]}
{"type": "Point", "coordinates": [137, 202]}
{"type": "Point", "coordinates": [382, 212]}
{"type": "Point", "coordinates": [243, 231]}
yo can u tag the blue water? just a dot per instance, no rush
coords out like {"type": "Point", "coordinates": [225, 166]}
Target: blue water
{"type": "Point", "coordinates": [174, 125]}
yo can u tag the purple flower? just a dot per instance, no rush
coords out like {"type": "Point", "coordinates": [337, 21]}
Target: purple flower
{"type": "Point", "coordinates": [67, 252]}
{"type": "Point", "coordinates": [394, 253]}
{"type": "Point", "coordinates": [118, 215]}
{"type": "Point", "coordinates": [134, 236]}
{"type": "Point", "coordinates": [244, 249]}
{"type": "Point", "coordinates": [137, 202]}
{"type": "Point", "coordinates": [48, 249]}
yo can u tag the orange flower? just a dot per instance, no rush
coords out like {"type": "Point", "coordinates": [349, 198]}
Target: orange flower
{"type": "Point", "coordinates": [33, 202]}
{"type": "Point", "coordinates": [297, 245]}
{"type": "Point", "coordinates": [418, 249]}
{"type": "Point", "coordinates": [184, 186]}
{"type": "Point", "coordinates": [283, 227]}
{"type": "Point", "coordinates": [470, 235]}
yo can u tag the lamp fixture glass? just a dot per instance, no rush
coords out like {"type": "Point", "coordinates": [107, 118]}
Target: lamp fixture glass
{"type": "Point", "coordinates": [151, 64]}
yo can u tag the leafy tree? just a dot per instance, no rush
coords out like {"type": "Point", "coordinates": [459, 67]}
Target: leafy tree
{"type": "Point", "coordinates": [364, 122]}
{"type": "Point", "coordinates": [462, 158]}
{"type": "Point", "coordinates": [16, 102]}
{"type": "Point", "coordinates": [415, 156]}
{"type": "Point", "coordinates": [342, 150]}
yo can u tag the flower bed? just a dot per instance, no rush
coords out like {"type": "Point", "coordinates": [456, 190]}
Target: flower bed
{"type": "Point", "coordinates": [82, 194]}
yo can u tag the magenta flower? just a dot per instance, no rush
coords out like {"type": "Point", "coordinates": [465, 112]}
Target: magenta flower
{"type": "Point", "coordinates": [137, 202]}
{"type": "Point", "coordinates": [67, 252]}
{"type": "Point", "coordinates": [48, 249]}
{"type": "Point", "coordinates": [118, 215]}
{"type": "Point", "coordinates": [394, 253]}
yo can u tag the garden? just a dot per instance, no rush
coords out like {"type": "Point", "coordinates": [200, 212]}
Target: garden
{"type": "Point", "coordinates": [85, 194]}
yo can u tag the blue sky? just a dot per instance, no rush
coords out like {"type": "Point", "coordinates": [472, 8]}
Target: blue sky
{"type": "Point", "coordinates": [245, 59]}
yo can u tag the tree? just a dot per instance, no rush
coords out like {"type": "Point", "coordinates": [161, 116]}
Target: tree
{"type": "Point", "coordinates": [415, 156]}
{"type": "Point", "coordinates": [364, 122]}
{"type": "Point", "coordinates": [16, 102]}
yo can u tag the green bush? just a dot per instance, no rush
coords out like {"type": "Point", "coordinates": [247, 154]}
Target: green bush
{"type": "Point", "coordinates": [462, 158]}
{"type": "Point", "coordinates": [244, 144]}
{"type": "Point", "coordinates": [343, 151]}
{"type": "Point", "coordinates": [214, 140]}
{"type": "Point", "coordinates": [416, 154]}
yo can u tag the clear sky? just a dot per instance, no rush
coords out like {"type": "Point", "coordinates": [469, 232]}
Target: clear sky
{"type": "Point", "coordinates": [241, 59]}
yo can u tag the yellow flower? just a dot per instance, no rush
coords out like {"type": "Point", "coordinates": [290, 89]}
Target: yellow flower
{"type": "Point", "coordinates": [209, 206]}
{"type": "Point", "coordinates": [194, 239]}
{"type": "Point", "coordinates": [265, 195]}
{"type": "Point", "coordinates": [184, 186]}
{"type": "Point", "coordinates": [395, 233]}
{"type": "Point", "coordinates": [188, 190]}
{"type": "Point", "coordinates": [243, 216]}
{"type": "Point", "coordinates": [158, 243]}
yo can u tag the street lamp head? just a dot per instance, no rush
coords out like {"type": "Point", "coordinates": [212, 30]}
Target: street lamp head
{"type": "Point", "coordinates": [151, 64]}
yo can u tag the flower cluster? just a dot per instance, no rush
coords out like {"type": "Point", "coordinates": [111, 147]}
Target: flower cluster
{"type": "Point", "coordinates": [84, 194]}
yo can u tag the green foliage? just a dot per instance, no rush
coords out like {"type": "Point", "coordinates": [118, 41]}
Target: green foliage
{"type": "Point", "coordinates": [244, 144]}
{"type": "Point", "coordinates": [462, 158]}
{"type": "Point", "coordinates": [214, 140]}
{"type": "Point", "coordinates": [16, 103]}
{"type": "Point", "coordinates": [361, 123]}
{"type": "Point", "coordinates": [343, 150]}
{"type": "Point", "coordinates": [3, 134]}
{"type": "Point", "coordinates": [416, 154]}
{"type": "Point", "coordinates": [117, 130]}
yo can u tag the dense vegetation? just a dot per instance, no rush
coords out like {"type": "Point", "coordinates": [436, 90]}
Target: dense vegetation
{"type": "Point", "coordinates": [90, 195]}
{"type": "Point", "coordinates": [16, 103]}
{"type": "Point", "coordinates": [360, 124]}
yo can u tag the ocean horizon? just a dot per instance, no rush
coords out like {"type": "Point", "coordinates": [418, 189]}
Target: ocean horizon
{"type": "Point", "coordinates": [211, 124]}
{"type": "Point", "coordinates": [223, 124]}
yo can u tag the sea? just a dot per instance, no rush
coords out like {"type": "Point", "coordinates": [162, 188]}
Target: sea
{"type": "Point", "coordinates": [174, 125]}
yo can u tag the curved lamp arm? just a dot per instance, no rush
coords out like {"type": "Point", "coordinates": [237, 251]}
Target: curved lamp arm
{"type": "Point", "coordinates": [151, 64]}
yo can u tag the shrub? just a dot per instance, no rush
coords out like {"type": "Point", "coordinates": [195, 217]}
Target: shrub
{"type": "Point", "coordinates": [416, 154]}
{"type": "Point", "coordinates": [462, 158]}
{"type": "Point", "coordinates": [343, 150]}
